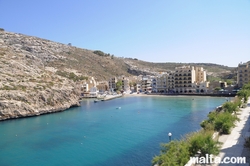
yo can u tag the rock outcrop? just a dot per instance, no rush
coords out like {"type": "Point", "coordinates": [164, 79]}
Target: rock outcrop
{"type": "Point", "coordinates": [28, 85]}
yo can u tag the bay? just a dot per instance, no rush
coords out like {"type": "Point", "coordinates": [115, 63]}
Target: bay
{"type": "Point", "coordinates": [102, 133]}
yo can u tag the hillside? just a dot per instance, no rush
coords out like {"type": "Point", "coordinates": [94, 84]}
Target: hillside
{"type": "Point", "coordinates": [39, 76]}
{"type": "Point", "coordinates": [212, 69]}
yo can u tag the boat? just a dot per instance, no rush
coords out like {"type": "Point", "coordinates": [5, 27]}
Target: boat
{"type": "Point", "coordinates": [95, 101]}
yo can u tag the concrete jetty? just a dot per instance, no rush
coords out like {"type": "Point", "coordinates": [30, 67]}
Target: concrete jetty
{"type": "Point", "coordinates": [110, 97]}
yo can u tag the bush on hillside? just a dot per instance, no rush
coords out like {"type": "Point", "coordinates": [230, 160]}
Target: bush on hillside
{"type": "Point", "coordinates": [71, 76]}
{"type": "Point", "coordinates": [100, 53]}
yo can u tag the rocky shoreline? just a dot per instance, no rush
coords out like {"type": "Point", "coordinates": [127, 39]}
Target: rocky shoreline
{"type": "Point", "coordinates": [38, 105]}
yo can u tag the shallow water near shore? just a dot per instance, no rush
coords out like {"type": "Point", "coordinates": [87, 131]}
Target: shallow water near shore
{"type": "Point", "coordinates": [102, 133]}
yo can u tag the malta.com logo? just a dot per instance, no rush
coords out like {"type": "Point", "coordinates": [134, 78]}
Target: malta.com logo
{"type": "Point", "coordinates": [210, 159]}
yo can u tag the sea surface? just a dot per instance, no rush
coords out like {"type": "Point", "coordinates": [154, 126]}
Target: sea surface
{"type": "Point", "coordinates": [102, 134]}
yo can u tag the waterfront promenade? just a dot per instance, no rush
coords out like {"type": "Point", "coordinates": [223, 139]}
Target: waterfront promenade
{"type": "Point", "coordinates": [233, 144]}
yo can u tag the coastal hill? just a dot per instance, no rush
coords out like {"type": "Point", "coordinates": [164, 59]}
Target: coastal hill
{"type": "Point", "coordinates": [39, 76]}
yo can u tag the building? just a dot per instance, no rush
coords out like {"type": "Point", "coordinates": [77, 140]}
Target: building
{"type": "Point", "coordinates": [170, 82]}
{"type": "Point", "coordinates": [87, 88]}
{"type": "Point", "coordinates": [146, 84]}
{"type": "Point", "coordinates": [102, 86]}
{"type": "Point", "coordinates": [201, 80]}
{"type": "Point", "coordinates": [200, 75]}
{"type": "Point", "coordinates": [154, 88]}
{"type": "Point", "coordinates": [93, 92]}
{"type": "Point", "coordinates": [185, 79]}
{"type": "Point", "coordinates": [112, 84]}
{"type": "Point", "coordinates": [161, 83]}
{"type": "Point", "coordinates": [243, 74]}
{"type": "Point", "coordinates": [125, 84]}
{"type": "Point", "coordinates": [190, 79]}
{"type": "Point", "coordinates": [138, 88]}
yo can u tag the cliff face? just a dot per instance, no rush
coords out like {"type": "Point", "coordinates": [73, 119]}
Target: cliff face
{"type": "Point", "coordinates": [28, 85]}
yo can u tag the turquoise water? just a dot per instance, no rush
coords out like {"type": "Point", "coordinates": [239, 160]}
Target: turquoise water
{"type": "Point", "coordinates": [99, 134]}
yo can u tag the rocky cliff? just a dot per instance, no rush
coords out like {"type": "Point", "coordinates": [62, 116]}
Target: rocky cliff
{"type": "Point", "coordinates": [29, 86]}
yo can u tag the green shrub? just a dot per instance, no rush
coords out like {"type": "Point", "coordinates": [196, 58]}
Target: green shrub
{"type": "Point", "coordinates": [224, 122]}
{"type": "Point", "coordinates": [177, 153]}
{"type": "Point", "coordinates": [230, 107]}
{"type": "Point", "coordinates": [203, 143]}
{"type": "Point", "coordinates": [244, 94]}
{"type": "Point", "coordinates": [5, 87]}
{"type": "Point", "coordinates": [23, 88]}
{"type": "Point", "coordinates": [238, 102]}
{"type": "Point", "coordinates": [206, 125]}
{"type": "Point", "coordinates": [100, 53]}
{"type": "Point", "coordinates": [71, 76]}
{"type": "Point", "coordinates": [174, 153]}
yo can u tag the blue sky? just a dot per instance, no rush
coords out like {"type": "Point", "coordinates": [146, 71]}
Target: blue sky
{"type": "Point", "coordinates": [209, 31]}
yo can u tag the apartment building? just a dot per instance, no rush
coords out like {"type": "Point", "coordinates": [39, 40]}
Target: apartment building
{"type": "Point", "coordinates": [125, 84]}
{"type": "Point", "coordinates": [146, 84]}
{"type": "Point", "coordinates": [200, 75]}
{"type": "Point", "coordinates": [185, 79]}
{"type": "Point", "coordinates": [154, 88]}
{"type": "Point", "coordinates": [161, 83]}
{"type": "Point", "coordinates": [112, 84]}
{"type": "Point", "coordinates": [170, 82]}
{"type": "Point", "coordinates": [243, 74]}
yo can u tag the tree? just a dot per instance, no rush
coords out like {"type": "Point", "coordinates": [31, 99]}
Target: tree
{"type": "Point", "coordinates": [1, 29]}
{"type": "Point", "coordinates": [132, 84]}
{"type": "Point", "coordinates": [119, 85]}
{"type": "Point", "coordinates": [217, 88]}
{"type": "Point", "coordinates": [246, 86]}
{"type": "Point", "coordinates": [229, 82]}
